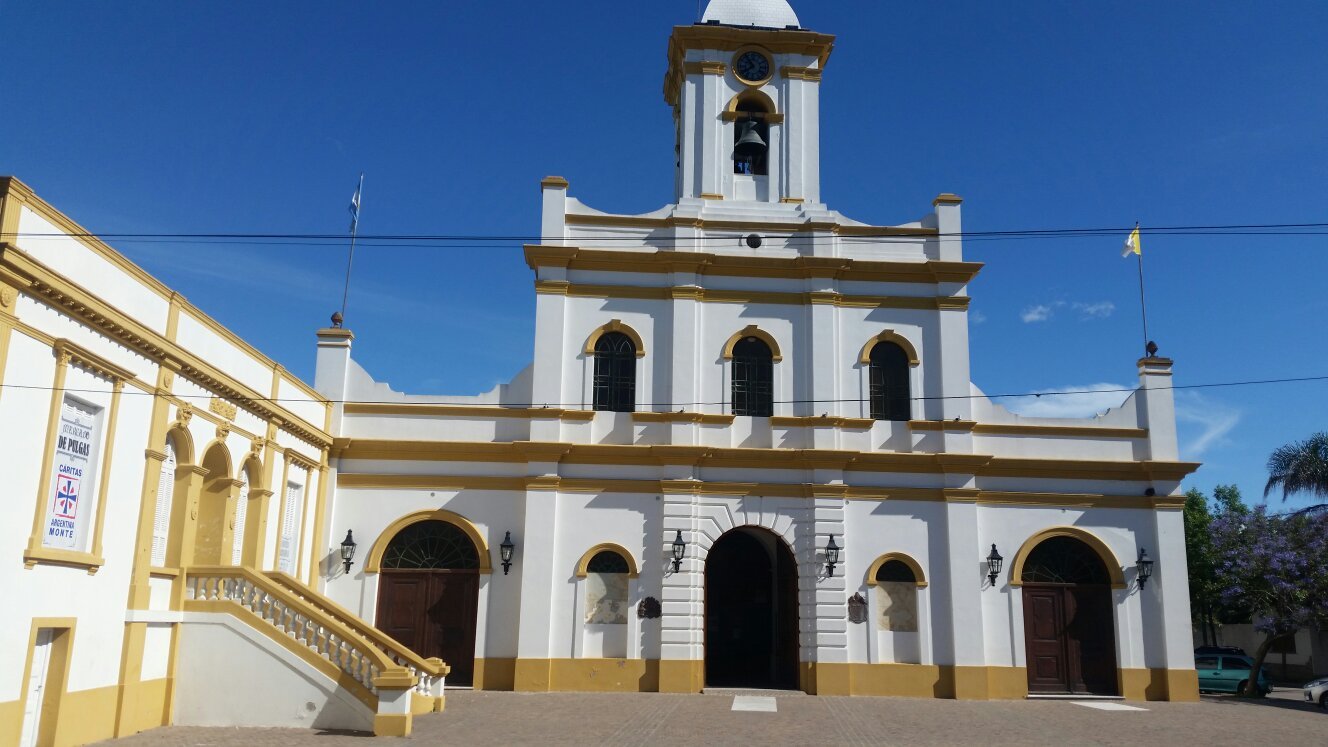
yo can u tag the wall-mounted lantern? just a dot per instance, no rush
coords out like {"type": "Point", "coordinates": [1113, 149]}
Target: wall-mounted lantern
{"type": "Point", "coordinates": [348, 551]}
{"type": "Point", "coordinates": [994, 562]}
{"type": "Point", "coordinates": [1145, 566]}
{"type": "Point", "coordinates": [831, 556]}
{"type": "Point", "coordinates": [679, 551]}
{"type": "Point", "coordinates": [505, 552]}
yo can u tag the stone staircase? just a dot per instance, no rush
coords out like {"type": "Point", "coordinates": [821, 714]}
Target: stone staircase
{"type": "Point", "coordinates": [328, 651]}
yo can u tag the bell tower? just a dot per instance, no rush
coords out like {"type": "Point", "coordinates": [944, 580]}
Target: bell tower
{"type": "Point", "coordinates": [744, 84]}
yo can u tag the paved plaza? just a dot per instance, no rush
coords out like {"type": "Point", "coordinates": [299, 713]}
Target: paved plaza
{"type": "Point", "coordinates": [497, 718]}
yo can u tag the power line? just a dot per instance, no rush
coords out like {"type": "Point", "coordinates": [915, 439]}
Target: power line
{"type": "Point", "coordinates": [561, 406]}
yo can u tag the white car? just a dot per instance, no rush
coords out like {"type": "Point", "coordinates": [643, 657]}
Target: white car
{"type": "Point", "coordinates": [1317, 692]}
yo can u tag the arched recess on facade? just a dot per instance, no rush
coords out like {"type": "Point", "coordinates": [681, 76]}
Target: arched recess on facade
{"type": "Point", "coordinates": [750, 101]}
{"type": "Point", "coordinates": [374, 563]}
{"type": "Point", "coordinates": [758, 333]}
{"type": "Point", "coordinates": [633, 570]}
{"type": "Point", "coordinates": [213, 529]}
{"type": "Point", "coordinates": [890, 336]}
{"type": "Point", "coordinates": [918, 575]}
{"type": "Point", "coordinates": [1099, 547]}
{"type": "Point", "coordinates": [615, 325]}
{"type": "Point", "coordinates": [183, 441]}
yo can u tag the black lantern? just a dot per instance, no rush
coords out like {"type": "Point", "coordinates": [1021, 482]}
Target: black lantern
{"type": "Point", "coordinates": [679, 551]}
{"type": "Point", "coordinates": [505, 552]}
{"type": "Point", "coordinates": [994, 561]}
{"type": "Point", "coordinates": [348, 550]}
{"type": "Point", "coordinates": [1145, 565]}
{"type": "Point", "coordinates": [831, 556]}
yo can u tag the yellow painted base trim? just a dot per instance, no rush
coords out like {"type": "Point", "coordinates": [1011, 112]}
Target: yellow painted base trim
{"type": "Point", "coordinates": [145, 705]}
{"type": "Point", "coordinates": [86, 716]}
{"type": "Point", "coordinates": [681, 676]}
{"type": "Point", "coordinates": [1182, 685]}
{"type": "Point", "coordinates": [421, 703]}
{"type": "Point", "coordinates": [494, 674]}
{"type": "Point", "coordinates": [392, 724]}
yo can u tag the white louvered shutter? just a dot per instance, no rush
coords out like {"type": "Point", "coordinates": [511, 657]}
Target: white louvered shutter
{"type": "Point", "coordinates": [241, 513]}
{"type": "Point", "coordinates": [161, 522]}
{"type": "Point", "coordinates": [290, 528]}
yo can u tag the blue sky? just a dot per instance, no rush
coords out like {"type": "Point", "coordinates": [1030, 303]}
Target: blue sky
{"type": "Point", "coordinates": [249, 117]}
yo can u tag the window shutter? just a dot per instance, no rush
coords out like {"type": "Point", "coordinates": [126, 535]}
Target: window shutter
{"type": "Point", "coordinates": [241, 512]}
{"type": "Point", "coordinates": [290, 528]}
{"type": "Point", "coordinates": [161, 523]}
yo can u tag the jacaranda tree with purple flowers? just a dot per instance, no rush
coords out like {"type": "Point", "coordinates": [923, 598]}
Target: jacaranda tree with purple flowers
{"type": "Point", "coordinates": [1274, 566]}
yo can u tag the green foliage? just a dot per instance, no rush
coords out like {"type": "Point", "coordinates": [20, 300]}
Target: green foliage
{"type": "Point", "coordinates": [1207, 608]}
{"type": "Point", "coordinates": [1300, 467]}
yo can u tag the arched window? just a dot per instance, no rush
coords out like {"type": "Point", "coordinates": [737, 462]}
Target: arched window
{"type": "Point", "coordinates": [751, 139]}
{"type": "Point", "coordinates": [897, 597]}
{"type": "Point", "coordinates": [606, 589]}
{"type": "Point", "coordinates": [431, 545]}
{"type": "Point", "coordinates": [161, 521]}
{"type": "Point", "coordinates": [615, 373]}
{"type": "Point", "coordinates": [753, 378]}
{"type": "Point", "coordinates": [889, 382]}
{"type": "Point", "coordinates": [1064, 560]}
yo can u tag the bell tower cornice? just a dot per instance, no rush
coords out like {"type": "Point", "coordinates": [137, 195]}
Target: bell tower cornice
{"type": "Point", "coordinates": [731, 39]}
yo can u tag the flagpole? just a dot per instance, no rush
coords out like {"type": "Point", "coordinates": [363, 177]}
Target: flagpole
{"type": "Point", "coordinates": [1143, 303]}
{"type": "Point", "coordinates": [354, 231]}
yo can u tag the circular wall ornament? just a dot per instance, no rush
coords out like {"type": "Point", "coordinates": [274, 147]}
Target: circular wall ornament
{"type": "Point", "coordinates": [753, 66]}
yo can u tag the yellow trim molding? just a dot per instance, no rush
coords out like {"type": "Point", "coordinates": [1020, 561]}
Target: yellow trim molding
{"type": "Point", "coordinates": [823, 421]}
{"type": "Point", "coordinates": [752, 330]}
{"type": "Point", "coordinates": [912, 564]}
{"type": "Point", "coordinates": [375, 560]}
{"type": "Point", "coordinates": [1060, 431]}
{"type": "Point", "coordinates": [712, 295]}
{"type": "Point", "coordinates": [49, 727]}
{"type": "Point", "coordinates": [424, 409]}
{"type": "Point", "coordinates": [705, 67]}
{"type": "Point", "coordinates": [1088, 538]}
{"type": "Point", "coordinates": [780, 459]}
{"type": "Point", "coordinates": [946, 198]}
{"type": "Point", "coordinates": [953, 426]}
{"type": "Point", "coordinates": [722, 265]}
{"type": "Point", "coordinates": [800, 73]}
{"type": "Point", "coordinates": [683, 417]}
{"type": "Point", "coordinates": [759, 97]}
{"type": "Point", "coordinates": [728, 39]}
{"type": "Point", "coordinates": [554, 182]}
{"type": "Point", "coordinates": [893, 337]}
{"type": "Point", "coordinates": [615, 325]}
{"type": "Point", "coordinates": [632, 570]}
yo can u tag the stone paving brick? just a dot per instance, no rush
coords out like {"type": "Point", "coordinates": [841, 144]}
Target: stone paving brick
{"type": "Point", "coordinates": [490, 718]}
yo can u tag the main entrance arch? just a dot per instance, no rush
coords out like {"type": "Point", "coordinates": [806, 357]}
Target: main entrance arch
{"type": "Point", "coordinates": [751, 611]}
{"type": "Point", "coordinates": [428, 594]}
{"type": "Point", "coordinates": [1069, 626]}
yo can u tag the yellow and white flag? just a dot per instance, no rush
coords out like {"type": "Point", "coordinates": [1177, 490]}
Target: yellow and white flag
{"type": "Point", "coordinates": [1132, 245]}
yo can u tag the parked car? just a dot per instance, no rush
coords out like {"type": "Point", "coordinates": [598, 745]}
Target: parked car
{"type": "Point", "coordinates": [1317, 692]}
{"type": "Point", "coordinates": [1219, 650]}
{"type": "Point", "coordinates": [1228, 673]}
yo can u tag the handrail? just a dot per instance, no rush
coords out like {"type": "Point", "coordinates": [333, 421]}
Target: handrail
{"type": "Point", "coordinates": [320, 635]}
{"type": "Point", "coordinates": [425, 669]}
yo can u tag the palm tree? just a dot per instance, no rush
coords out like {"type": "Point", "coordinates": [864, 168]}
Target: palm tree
{"type": "Point", "coordinates": [1300, 467]}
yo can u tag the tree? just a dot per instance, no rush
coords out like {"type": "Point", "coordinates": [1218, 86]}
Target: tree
{"type": "Point", "coordinates": [1300, 467]}
{"type": "Point", "coordinates": [1207, 609]}
{"type": "Point", "coordinates": [1273, 566]}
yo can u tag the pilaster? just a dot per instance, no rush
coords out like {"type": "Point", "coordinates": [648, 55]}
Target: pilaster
{"type": "Point", "coordinates": [822, 598]}
{"type": "Point", "coordinates": [1158, 408]}
{"type": "Point", "coordinates": [538, 547]}
{"type": "Point", "coordinates": [682, 636]}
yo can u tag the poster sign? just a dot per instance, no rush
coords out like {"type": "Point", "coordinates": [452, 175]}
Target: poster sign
{"type": "Point", "coordinates": [67, 513]}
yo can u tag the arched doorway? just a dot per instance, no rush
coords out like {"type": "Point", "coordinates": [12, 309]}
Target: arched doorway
{"type": "Point", "coordinates": [428, 594]}
{"type": "Point", "coordinates": [1069, 627]}
{"type": "Point", "coordinates": [751, 611]}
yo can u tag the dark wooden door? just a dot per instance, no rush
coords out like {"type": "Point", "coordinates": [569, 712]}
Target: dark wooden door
{"type": "Point", "coordinates": [1069, 637]}
{"type": "Point", "coordinates": [751, 616]}
{"type": "Point", "coordinates": [1044, 634]}
{"type": "Point", "coordinates": [433, 613]}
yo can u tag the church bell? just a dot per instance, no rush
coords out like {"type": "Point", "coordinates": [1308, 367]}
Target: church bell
{"type": "Point", "coordinates": [750, 143]}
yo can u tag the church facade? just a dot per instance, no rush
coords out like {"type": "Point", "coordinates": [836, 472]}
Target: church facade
{"type": "Point", "coordinates": [747, 453]}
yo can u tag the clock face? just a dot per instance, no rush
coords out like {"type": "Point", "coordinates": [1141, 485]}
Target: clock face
{"type": "Point", "coordinates": [752, 66]}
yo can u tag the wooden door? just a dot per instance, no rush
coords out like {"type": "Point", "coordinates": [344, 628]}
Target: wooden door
{"type": "Point", "coordinates": [432, 612]}
{"type": "Point", "coordinates": [1069, 637]}
{"type": "Point", "coordinates": [1044, 635]}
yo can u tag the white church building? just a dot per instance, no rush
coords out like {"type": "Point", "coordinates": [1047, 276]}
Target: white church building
{"type": "Point", "coordinates": [746, 453]}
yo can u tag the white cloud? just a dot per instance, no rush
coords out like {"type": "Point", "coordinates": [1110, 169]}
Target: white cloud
{"type": "Point", "coordinates": [1039, 313]}
{"type": "Point", "coordinates": [1205, 421]}
{"type": "Point", "coordinates": [977, 317]}
{"type": "Point", "coordinates": [1099, 310]}
{"type": "Point", "coordinates": [1069, 402]}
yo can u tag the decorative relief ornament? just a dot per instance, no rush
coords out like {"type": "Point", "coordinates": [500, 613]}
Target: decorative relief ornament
{"type": "Point", "coordinates": [648, 609]}
{"type": "Point", "coordinates": [256, 446]}
{"type": "Point", "coordinates": [185, 413]}
{"type": "Point", "coordinates": [7, 296]}
{"type": "Point", "coordinates": [857, 609]}
{"type": "Point", "coordinates": [223, 431]}
{"type": "Point", "coordinates": [223, 408]}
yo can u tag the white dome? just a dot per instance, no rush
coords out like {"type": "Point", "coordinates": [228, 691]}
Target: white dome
{"type": "Point", "coordinates": [773, 14]}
